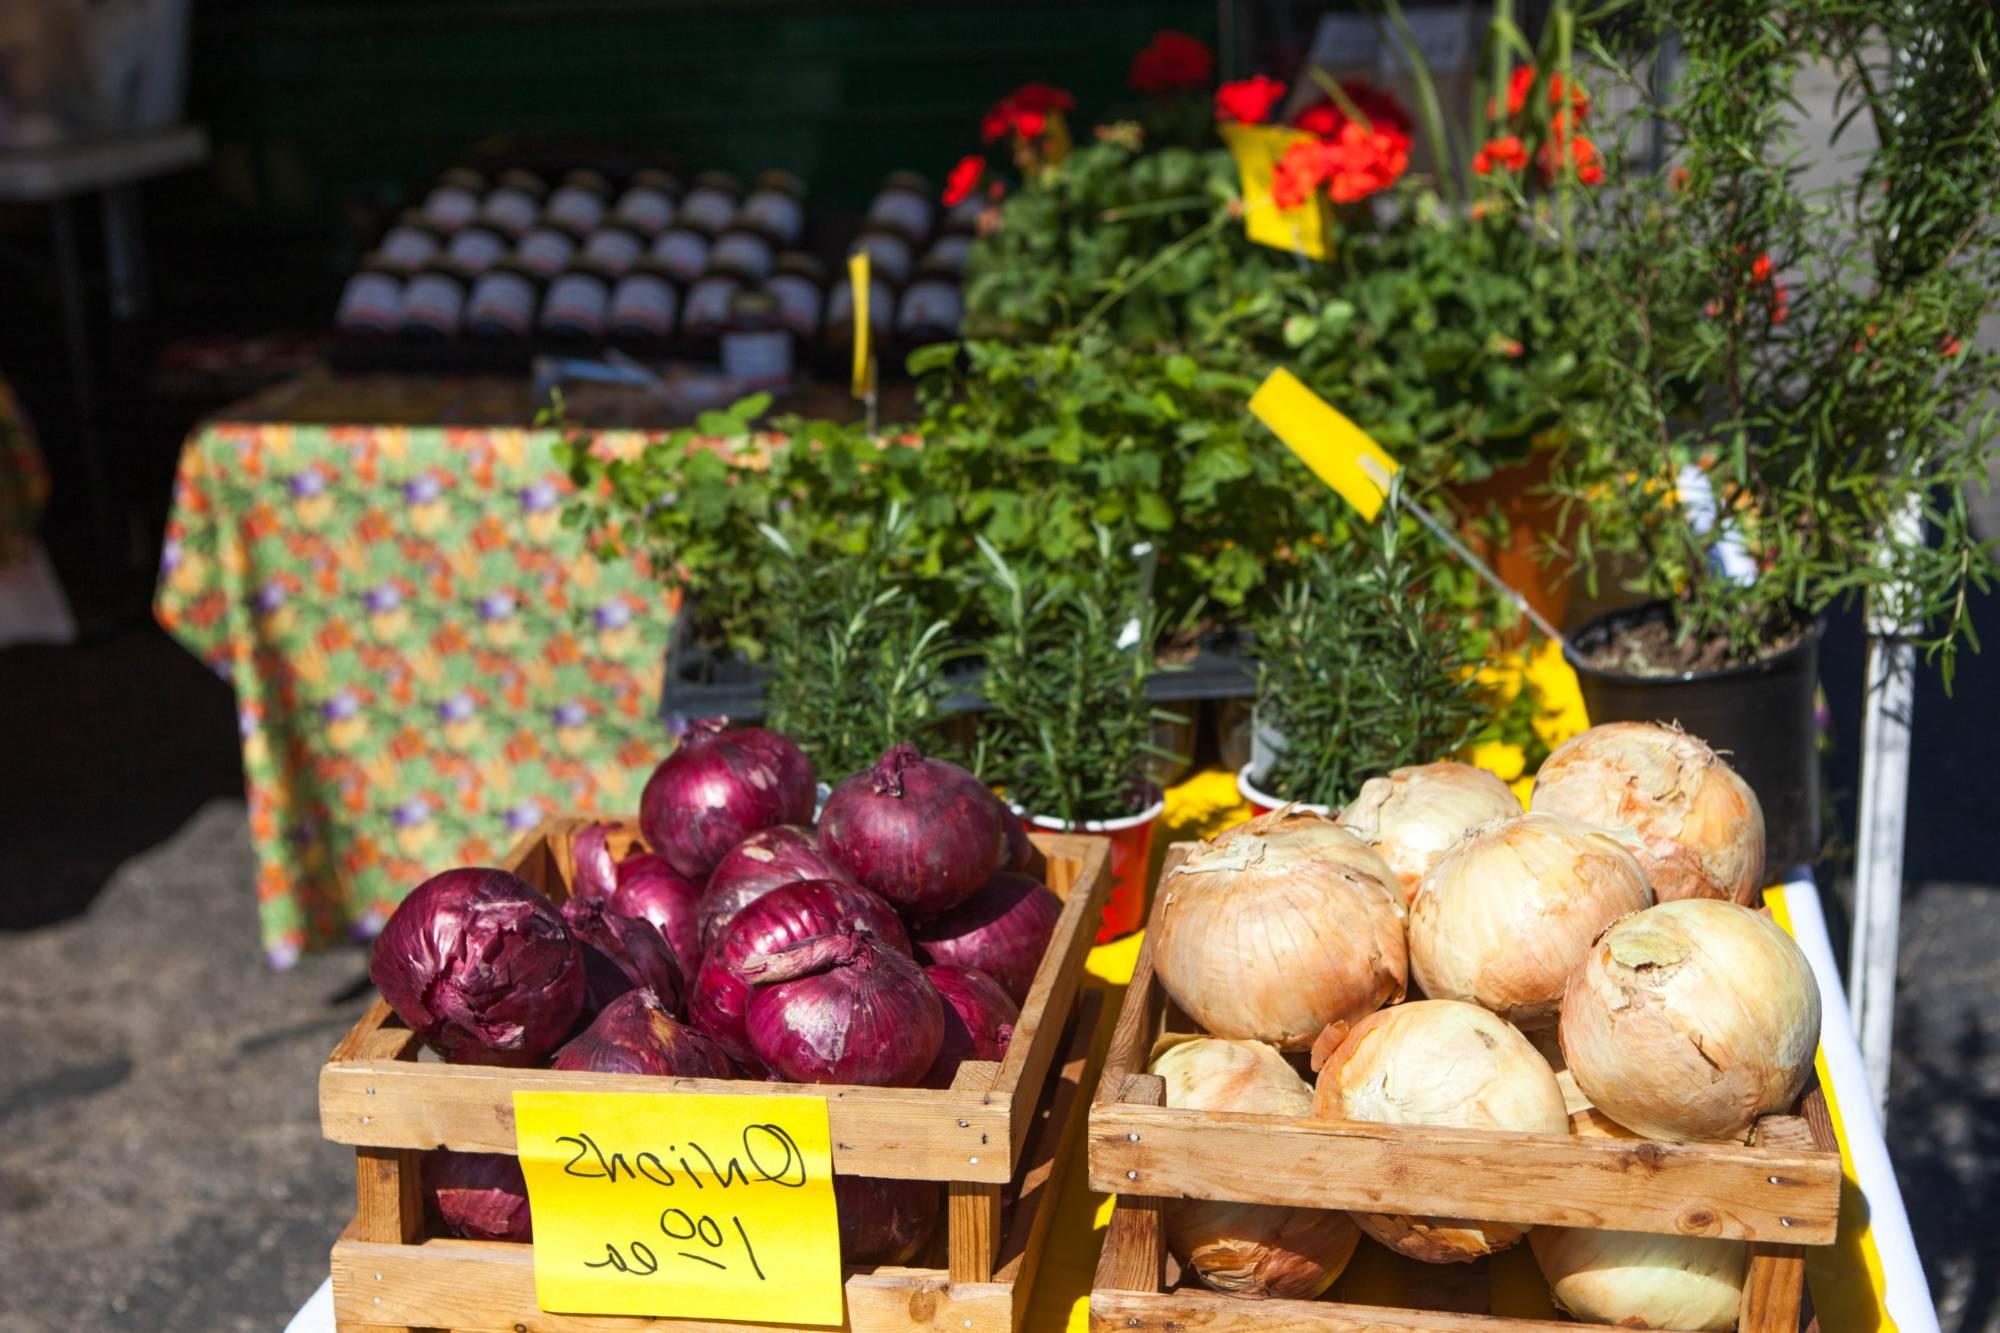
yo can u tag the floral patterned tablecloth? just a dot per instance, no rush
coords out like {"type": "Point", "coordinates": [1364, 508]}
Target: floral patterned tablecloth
{"type": "Point", "coordinates": [24, 481]}
{"type": "Point", "coordinates": [426, 661]}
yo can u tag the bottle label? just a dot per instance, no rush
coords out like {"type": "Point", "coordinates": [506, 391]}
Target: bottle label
{"type": "Point", "coordinates": [368, 303]}
{"type": "Point", "coordinates": [545, 250]}
{"type": "Point", "coordinates": [511, 210]}
{"type": "Point", "coordinates": [708, 209]}
{"type": "Point", "coordinates": [575, 305]}
{"type": "Point", "coordinates": [408, 247]}
{"type": "Point", "coordinates": [476, 249]}
{"type": "Point", "coordinates": [684, 252]}
{"type": "Point", "coordinates": [451, 206]}
{"type": "Point", "coordinates": [432, 302]}
{"type": "Point", "coordinates": [647, 209]}
{"type": "Point", "coordinates": [761, 357]}
{"type": "Point", "coordinates": [644, 307]}
{"type": "Point", "coordinates": [799, 302]}
{"type": "Point", "coordinates": [576, 208]}
{"type": "Point", "coordinates": [932, 304]}
{"type": "Point", "coordinates": [708, 303]}
{"type": "Point", "coordinates": [775, 212]}
{"type": "Point", "coordinates": [744, 251]}
{"type": "Point", "coordinates": [888, 253]}
{"type": "Point", "coordinates": [905, 210]}
{"type": "Point", "coordinates": [502, 303]}
{"type": "Point", "coordinates": [616, 250]}
{"type": "Point", "coordinates": [951, 252]}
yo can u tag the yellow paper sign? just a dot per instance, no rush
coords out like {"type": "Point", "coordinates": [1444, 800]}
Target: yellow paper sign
{"type": "Point", "coordinates": [864, 356]}
{"type": "Point", "coordinates": [682, 1205]}
{"type": "Point", "coordinates": [1257, 149]}
{"type": "Point", "coordinates": [1331, 445]}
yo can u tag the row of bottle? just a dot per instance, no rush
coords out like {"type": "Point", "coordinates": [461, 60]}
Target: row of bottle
{"type": "Point", "coordinates": [652, 301]}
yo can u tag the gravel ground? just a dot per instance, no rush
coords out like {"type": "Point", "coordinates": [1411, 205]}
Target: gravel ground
{"type": "Point", "coordinates": [162, 1167]}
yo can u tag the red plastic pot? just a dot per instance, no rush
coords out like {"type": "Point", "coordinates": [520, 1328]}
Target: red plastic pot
{"type": "Point", "coordinates": [1131, 864]}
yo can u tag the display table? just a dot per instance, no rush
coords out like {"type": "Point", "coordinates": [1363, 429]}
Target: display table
{"type": "Point", "coordinates": [426, 661]}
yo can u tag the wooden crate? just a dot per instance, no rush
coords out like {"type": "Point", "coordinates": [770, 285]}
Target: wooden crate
{"type": "Point", "coordinates": [996, 1133]}
{"type": "Point", "coordinates": [1780, 1192]}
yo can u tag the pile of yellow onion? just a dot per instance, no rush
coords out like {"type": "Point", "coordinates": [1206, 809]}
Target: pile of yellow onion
{"type": "Point", "coordinates": [1608, 929]}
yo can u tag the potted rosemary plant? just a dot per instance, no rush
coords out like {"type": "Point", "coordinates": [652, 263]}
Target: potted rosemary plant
{"type": "Point", "coordinates": [1789, 395]}
{"type": "Point", "coordinates": [1067, 730]}
{"type": "Point", "coordinates": [1360, 669]}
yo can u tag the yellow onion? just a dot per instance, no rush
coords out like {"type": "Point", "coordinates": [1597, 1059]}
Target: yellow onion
{"type": "Point", "coordinates": [1417, 814]}
{"type": "Point", "coordinates": [1440, 1062]}
{"type": "Point", "coordinates": [1249, 1249]}
{"type": "Point", "coordinates": [1690, 1020]}
{"type": "Point", "coordinates": [1696, 825]}
{"type": "Point", "coordinates": [1504, 917]}
{"type": "Point", "coordinates": [1636, 1280]}
{"type": "Point", "coordinates": [1276, 928]}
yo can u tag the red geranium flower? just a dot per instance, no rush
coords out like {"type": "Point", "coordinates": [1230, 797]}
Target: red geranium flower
{"type": "Point", "coordinates": [1589, 167]}
{"type": "Point", "coordinates": [1760, 268]}
{"type": "Point", "coordinates": [1522, 82]}
{"type": "Point", "coordinates": [1173, 63]}
{"type": "Point", "coordinates": [1249, 101]}
{"type": "Point", "coordinates": [1505, 152]}
{"type": "Point", "coordinates": [1025, 112]}
{"type": "Point", "coordinates": [1300, 171]}
{"type": "Point", "coordinates": [1382, 112]}
{"type": "Point", "coordinates": [1365, 161]}
{"type": "Point", "coordinates": [963, 178]}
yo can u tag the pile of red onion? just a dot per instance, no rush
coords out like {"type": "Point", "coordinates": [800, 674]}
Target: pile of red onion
{"type": "Point", "coordinates": [739, 942]}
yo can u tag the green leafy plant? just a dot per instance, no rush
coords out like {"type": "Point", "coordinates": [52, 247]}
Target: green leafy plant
{"type": "Point", "coordinates": [1361, 667]}
{"type": "Point", "coordinates": [1808, 348]}
{"type": "Point", "coordinates": [1067, 730]}
{"type": "Point", "coordinates": [856, 664]}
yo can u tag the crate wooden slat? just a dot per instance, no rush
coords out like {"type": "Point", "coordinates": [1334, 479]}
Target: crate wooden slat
{"type": "Point", "coordinates": [376, 1092]}
{"type": "Point", "coordinates": [489, 1287]}
{"type": "Point", "coordinates": [1780, 1192]}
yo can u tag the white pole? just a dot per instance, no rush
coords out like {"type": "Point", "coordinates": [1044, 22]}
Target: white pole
{"type": "Point", "coordinates": [1887, 702]}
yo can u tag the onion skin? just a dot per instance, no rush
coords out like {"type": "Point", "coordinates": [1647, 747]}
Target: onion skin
{"type": "Point", "coordinates": [621, 953]}
{"type": "Point", "coordinates": [720, 785]}
{"type": "Point", "coordinates": [885, 1221]}
{"type": "Point", "coordinates": [785, 916]}
{"type": "Point", "coordinates": [843, 1009]}
{"type": "Point", "coordinates": [1417, 814]}
{"type": "Point", "coordinates": [781, 854]}
{"type": "Point", "coordinates": [1635, 1280]}
{"type": "Point", "coordinates": [1698, 827]}
{"type": "Point", "coordinates": [1279, 927]}
{"type": "Point", "coordinates": [1021, 856]}
{"type": "Point", "coordinates": [481, 967]}
{"type": "Point", "coordinates": [979, 1020]}
{"type": "Point", "coordinates": [1252, 1250]}
{"type": "Point", "coordinates": [596, 873]}
{"type": "Point", "coordinates": [636, 1035]}
{"type": "Point", "coordinates": [1505, 917]}
{"type": "Point", "coordinates": [1690, 1020]}
{"type": "Point", "coordinates": [923, 833]}
{"type": "Point", "coordinates": [478, 1195]}
{"type": "Point", "coordinates": [649, 889]}
{"type": "Point", "coordinates": [1440, 1062]}
{"type": "Point", "coordinates": [1003, 930]}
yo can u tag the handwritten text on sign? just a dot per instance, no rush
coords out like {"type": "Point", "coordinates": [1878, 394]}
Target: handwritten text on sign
{"type": "Point", "coordinates": [682, 1205]}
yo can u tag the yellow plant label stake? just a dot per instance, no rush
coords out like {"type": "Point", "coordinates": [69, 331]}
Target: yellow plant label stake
{"type": "Point", "coordinates": [682, 1205]}
{"type": "Point", "coordinates": [1340, 452]}
{"type": "Point", "coordinates": [864, 355]}
{"type": "Point", "coordinates": [1257, 149]}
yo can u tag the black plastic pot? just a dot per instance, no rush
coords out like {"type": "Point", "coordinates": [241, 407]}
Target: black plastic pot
{"type": "Point", "coordinates": [1759, 716]}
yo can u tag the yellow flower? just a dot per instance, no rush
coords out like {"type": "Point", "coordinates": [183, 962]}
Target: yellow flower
{"type": "Point", "coordinates": [1502, 759]}
{"type": "Point", "coordinates": [1523, 789]}
{"type": "Point", "coordinates": [1205, 804]}
{"type": "Point", "coordinates": [1502, 678]}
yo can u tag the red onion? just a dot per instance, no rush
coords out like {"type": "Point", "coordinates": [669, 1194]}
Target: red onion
{"type": "Point", "coordinates": [885, 1221]}
{"type": "Point", "coordinates": [1003, 930]}
{"type": "Point", "coordinates": [649, 889]}
{"type": "Point", "coordinates": [621, 953]}
{"type": "Point", "coordinates": [479, 1195]}
{"type": "Point", "coordinates": [843, 1008]}
{"type": "Point", "coordinates": [1021, 855]}
{"type": "Point", "coordinates": [717, 788]}
{"type": "Point", "coordinates": [978, 1020]}
{"type": "Point", "coordinates": [481, 967]}
{"type": "Point", "coordinates": [783, 854]}
{"type": "Point", "coordinates": [596, 874]}
{"type": "Point", "coordinates": [636, 1035]}
{"type": "Point", "coordinates": [923, 833]}
{"type": "Point", "coordinates": [781, 918]}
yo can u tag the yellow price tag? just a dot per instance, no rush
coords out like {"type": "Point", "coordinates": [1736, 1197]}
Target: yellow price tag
{"type": "Point", "coordinates": [682, 1205]}
{"type": "Point", "coordinates": [1257, 148]}
{"type": "Point", "coordinates": [864, 355]}
{"type": "Point", "coordinates": [1339, 451]}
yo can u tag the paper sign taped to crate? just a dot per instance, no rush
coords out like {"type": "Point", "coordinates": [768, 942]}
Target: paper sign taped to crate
{"type": "Point", "coordinates": [682, 1205]}
{"type": "Point", "coordinates": [1257, 149]}
{"type": "Point", "coordinates": [864, 356]}
{"type": "Point", "coordinates": [1332, 446]}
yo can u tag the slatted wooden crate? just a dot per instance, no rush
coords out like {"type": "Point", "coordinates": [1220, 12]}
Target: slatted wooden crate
{"type": "Point", "coordinates": [995, 1137]}
{"type": "Point", "coordinates": [1780, 1192]}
